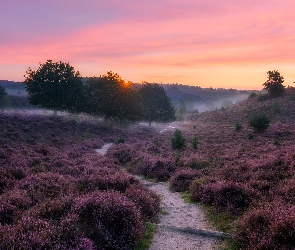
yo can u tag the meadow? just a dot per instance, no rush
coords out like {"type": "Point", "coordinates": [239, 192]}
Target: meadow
{"type": "Point", "coordinates": [57, 192]}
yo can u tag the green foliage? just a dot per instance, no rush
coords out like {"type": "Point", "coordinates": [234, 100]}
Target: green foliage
{"type": "Point", "coordinates": [238, 126]}
{"type": "Point", "coordinates": [55, 85]}
{"type": "Point", "coordinates": [121, 140]}
{"type": "Point", "coordinates": [2, 91]}
{"type": "Point", "coordinates": [195, 143]}
{"type": "Point", "coordinates": [252, 95]}
{"type": "Point", "coordinates": [149, 232]}
{"type": "Point", "coordinates": [181, 110]}
{"type": "Point", "coordinates": [110, 96]}
{"type": "Point", "coordinates": [259, 122]}
{"type": "Point", "coordinates": [250, 137]}
{"type": "Point", "coordinates": [274, 84]}
{"type": "Point", "coordinates": [178, 140]}
{"type": "Point", "coordinates": [263, 97]}
{"type": "Point", "coordinates": [156, 104]}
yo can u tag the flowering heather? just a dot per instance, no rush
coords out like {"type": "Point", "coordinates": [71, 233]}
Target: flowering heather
{"type": "Point", "coordinates": [109, 219]}
{"type": "Point", "coordinates": [182, 179]}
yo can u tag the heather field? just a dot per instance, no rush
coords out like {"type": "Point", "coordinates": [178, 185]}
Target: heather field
{"type": "Point", "coordinates": [56, 192]}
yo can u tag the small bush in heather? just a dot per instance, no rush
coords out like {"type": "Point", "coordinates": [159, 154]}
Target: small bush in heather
{"type": "Point", "coordinates": [181, 180]}
{"type": "Point", "coordinates": [109, 219]}
{"type": "Point", "coordinates": [259, 123]}
{"type": "Point", "coordinates": [271, 226]}
{"type": "Point", "coordinates": [238, 126]}
{"type": "Point", "coordinates": [121, 140]}
{"type": "Point", "coordinates": [7, 180]}
{"type": "Point", "coordinates": [8, 213]}
{"type": "Point", "coordinates": [147, 202]}
{"type": "Point", "coordinates": [178, 140]}
{"type": "Point", "coordinates": [121, 152]}
{"type": "Point", "coordinates": [250, 137]}
{"type": "Point", "coordinates": [234, 197]}
{"type": "Point", "coordinates": [195, 143]}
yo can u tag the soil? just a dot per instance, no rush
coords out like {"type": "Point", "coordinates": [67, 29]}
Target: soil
{"type": "Point", "coordinates": [182, 226]}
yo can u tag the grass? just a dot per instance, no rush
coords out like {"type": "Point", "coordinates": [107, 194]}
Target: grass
{"type": "Point", "coordinates": [186, 197]}
{"type": "Point", "coordinates": [150, 230]}
{"type": "Point", "coordinates": [222, 221]}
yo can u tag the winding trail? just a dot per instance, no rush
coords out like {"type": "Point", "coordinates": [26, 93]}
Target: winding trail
{"type": "Point", "coordinates": [182, 226]}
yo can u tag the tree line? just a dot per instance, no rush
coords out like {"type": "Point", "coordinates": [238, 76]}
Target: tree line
{"type": "Point", "coordinates": [57, 86]}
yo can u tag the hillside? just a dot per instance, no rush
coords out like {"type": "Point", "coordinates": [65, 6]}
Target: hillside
{"type": "Point", "coordinates": [245, 179]}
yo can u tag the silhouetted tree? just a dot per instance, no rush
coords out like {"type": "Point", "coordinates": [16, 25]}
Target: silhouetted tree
{"type": "Point", "coordinates": [55, 85]}
{"type": "Point", "coordinates": [274, 84]}
{"type": "Point", "coordinates": [156, 104]}
{"type": "Point", "coordinates": [112, 97]}
{"type": "Point", "coordinates": [4, 98]}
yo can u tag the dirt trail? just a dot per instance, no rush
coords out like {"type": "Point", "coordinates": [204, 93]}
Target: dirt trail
{"type": "Point", "coordinates": [182, 226]}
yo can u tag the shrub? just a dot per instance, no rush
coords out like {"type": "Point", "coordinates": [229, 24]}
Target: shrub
{"type": "Point", "coordinates": [109, 219]}
{"type": "Point", "coordinates": [259, 122]}
{"type": "Point", "coordinates": [178, 140]}
{"type": "Point", "coordinates": [157, 168]}
{"type": "Point", "coordinates": [147, 202]}
{"type": "Point", "coordinates": [252, 95]}
{"type": "Point", "coordinates": [195, 143]}
{"type": "Point", "coordinates": [272, 226]}
{"type": "Point", "coordinates": [121, 152]}
{"type": "Point", "coordinates": [238, 126]}
{"type": "Point", "coordinates": [121, 140]}
{"type": "Point", "coordinates": [231, 196]}
{"type": "Point", "coordinates": [181, 180]}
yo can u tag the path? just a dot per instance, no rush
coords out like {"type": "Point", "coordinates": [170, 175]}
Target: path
{"type": "Point", "coordinates": [182, 226]}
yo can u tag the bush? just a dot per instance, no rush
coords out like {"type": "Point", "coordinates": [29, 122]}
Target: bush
{"type": "Point", "coordinates": [195, 143]}
{"type": "Point", "coordinates": [231, 196]}
{"type": "Point", "coordinates": [157, 168]}
{"type": "Point", "coordinates": [271, 226]}
{"type": "Point", "coordinates": [147, 202]}
{"type": "Point", "coordinates": [109, 219]}
{"type": "Point", "coordinates": [259, 122]}
{"type": "Point", "coordinates": [238, 126]}
{"type": "Point", "coordinates": [181, 180]}
{"type": "Point", "coordinates": [252, 95]}
{"type": "Point", "coordinates": [178, 140]}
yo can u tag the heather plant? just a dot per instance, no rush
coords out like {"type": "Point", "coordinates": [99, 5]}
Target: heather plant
{"type": "Point", "coordinates": [181, 179]}
{"type": "Point", "coordinates": [271, 226]}
{"type": "Point", "coordinates": [121, 152]}
{"type": "Point", "coordinates": [178, 140]}
{"type": "Point", "coordinates": [259, 122]}
{"type": "Point", "coordinates": [230, 196]}
{"type": "Point", "coordinates": [147, 202]}
{"type": "Point", "coordinates": [109, 219]}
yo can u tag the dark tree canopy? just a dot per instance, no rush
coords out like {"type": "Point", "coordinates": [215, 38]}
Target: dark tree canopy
{"type": "Point", "coordinates": [55, 85]}
{"type": "Point", "coordinates": [156, 104]}
{"type": "Point", "coordinates": [4, 99]}
{"type": "Point", "coordinates": [110, 96]}
{"type": "Point", "coordinates": [274, 84]}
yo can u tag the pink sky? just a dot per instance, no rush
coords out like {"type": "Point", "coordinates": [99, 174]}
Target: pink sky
{"type": "Point", "coordinates": [213, 43]}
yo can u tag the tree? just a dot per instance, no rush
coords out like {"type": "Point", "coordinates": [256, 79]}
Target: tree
{"type": "Point", "coordinates": [112, 97]}
{"type": "Point", "coordinates": [4, 99]}
{"type": "Point", "coordinates": [259, 122]}
{"type": "Point", "coordinates": [55, 85]}
{"type": "Point", "coordinates": [178, 140]}
{"type": "Point", "coordinates": [274, 84]}
{"type": "Point", "coordinates": [181, 110]}
{"type": "Point", "coordinates": [156, 104]}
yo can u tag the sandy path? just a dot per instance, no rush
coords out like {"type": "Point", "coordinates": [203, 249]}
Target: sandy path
{"type": "Point", "coordinates": [181, 226]}
{"type": "Point", "coordinates": [104, 149]}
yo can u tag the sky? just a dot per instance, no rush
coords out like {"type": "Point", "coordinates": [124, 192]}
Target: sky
{"type": "Point", "coordinates": [207, 43]}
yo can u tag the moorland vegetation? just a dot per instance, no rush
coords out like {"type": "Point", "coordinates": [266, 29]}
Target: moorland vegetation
{"type": "Point", "coordinates": [57, 192]}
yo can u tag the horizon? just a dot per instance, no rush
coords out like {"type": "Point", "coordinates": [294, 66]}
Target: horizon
{"type": "Point", "coordinates": [229, 44]}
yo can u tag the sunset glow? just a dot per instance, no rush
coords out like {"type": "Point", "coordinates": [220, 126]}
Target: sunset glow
{"type": "Point", "coordinates": [212, 43]}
